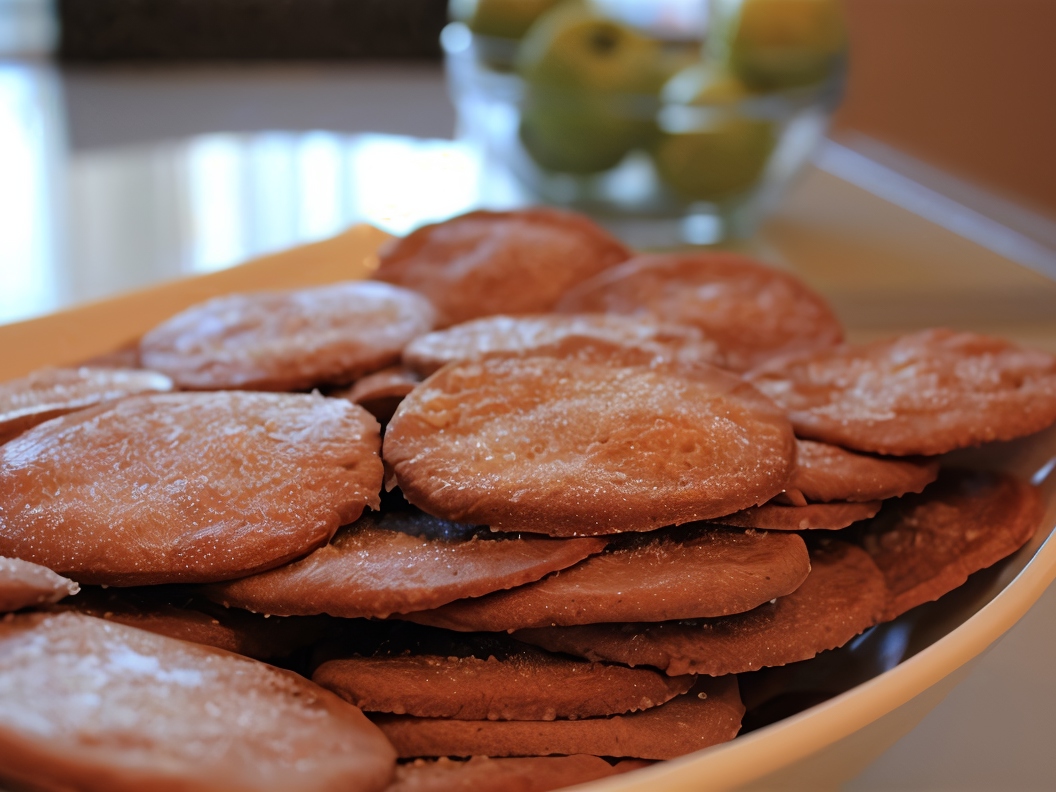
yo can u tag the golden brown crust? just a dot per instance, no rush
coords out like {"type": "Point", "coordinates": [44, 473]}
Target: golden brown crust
{"type": "Point", "coordinates": [186, 487]}
{"type": "Point", "coordinates": [752, 311]}
{"type": "Point", "coordinates": [812, 516]}
{"type": "Point", "coordinates": [399, 562]}
{"type": "Point", "coordinates": [23, 584]}
{"type": "Point", "coordinates": [584, 439]}
{"type": "Point", "coordinates": [485, 263]}
{"type": "Point", "coordinates": [93, 705]}
{"type": "Point", "coordinates": [293, 340]}
{"type": "Point", "coordinates": [682, 573]}
{"type": "Point", "coordinates": [709, 714]}
{"type": "Point", "coordinates": [826, 473]}
{"type": "Point", "coordinates": [927, 545]}
{"type": "Point", "coordinates": [925, 393]}
{"type": "Point", "coordinates": [843, 595]}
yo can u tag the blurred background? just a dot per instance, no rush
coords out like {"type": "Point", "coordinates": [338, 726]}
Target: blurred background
{"type": "Point", "coordinates": [143, 140]}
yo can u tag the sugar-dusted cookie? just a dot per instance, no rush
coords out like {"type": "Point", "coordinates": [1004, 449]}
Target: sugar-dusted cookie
{"type": "Point", "coordinates": [514, 774]}
{"type": "Point", "coordinates": [288, 340]}
{"type": "Point", "coordinates": [925, 393]}
{"type": "Point", "coordinates": [397, 562]}
{"type": "Point", "coordinates": [485, 263]}
{"type": "Point", "coordinates": [438, 674]}
{"type": "Point", "coordinates": [492, 334]}
{"type": "Point", "coordinates": [826, 473]}
{"type": "Point", "coordinates": [23, 584]}
{"type": "Point", "coordinates": [843, 595]}
{"type": "Point", "coordinates": [170, 611]}
{"type": "Point", "coordinates": [752, 311]}
{"type": "Point", "coordinates": [51, 392]}
{"type": "Point", "coordinates": [710, 713]}
{"type": "Point", "coordinates": [186, 487]}
{"type": "Point", "coordinates": [89, 704]}
{"type": "Point", "coordinates": [681, 573]}
{"type": "Point", "coordinates": [380, 393]}
{"type": "Point", "coordinates": [585, 438]}
{"type": "Point", "coordinates": [812, 516]}
{"type": "Point", "coordinates": [927, 545]}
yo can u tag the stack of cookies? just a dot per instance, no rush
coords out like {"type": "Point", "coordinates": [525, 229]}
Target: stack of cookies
{"type": "Point", "coordinates": [609, 483]}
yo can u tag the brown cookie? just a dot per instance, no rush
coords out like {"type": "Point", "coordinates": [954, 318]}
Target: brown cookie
{"type": "Point", "coordinates": [51, 392]}
{"type": "Point", "coordinates": [159, 610]}
{"type": "Point", "coordinates": [23, 584]}
{"type": "Point", "coordinates": [681, 573]}
{"type": "Point", "coordinates": [492, 334]}
{"type": "Point", "coordinates": [709, 714]}
{"type": "Point", "coordinates": [186, 487]}
{"type": "Point", "coordinates": [925, 393]}
{"type": "Point", "coordinates": [398, 562]}
{"type": "Point", "coordinates": [826, 473]}
{"type": "Point", "coordinates": [125, 356]}
{"type": "Point", "coordinates": [812, 516]}
{"type": "Point", "coordinates": [927, 545]}
{"type": "Point", "coordinates": [843, 595]}
{"type": "Point", "coordinates": [89, 704]}
{"type": "Point", "coordinates": [380, 393]}
{"type": "Point", "coordinates": [515, 774]}
{"type": "Point", "coordinates": [436, 674]}
{"type": "Point", "coordinates": [752, 311]}
{"type": "Point", "coordinates": [485, 263]}
{"type": "Point", "coordinates": [288, 340]}
{"type": "Point", "coordinates": [584, 439]}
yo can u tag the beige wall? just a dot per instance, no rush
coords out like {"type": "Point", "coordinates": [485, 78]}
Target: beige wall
{"type": "Point", "coordinates": [968, 85]}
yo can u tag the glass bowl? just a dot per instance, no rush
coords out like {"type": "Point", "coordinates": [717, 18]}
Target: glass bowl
{"type": "Point", "coordinates": [667, 172]}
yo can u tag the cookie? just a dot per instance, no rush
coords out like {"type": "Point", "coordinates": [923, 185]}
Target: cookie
{"type": "Point", "coordinates": [752, 311]}
{"type": "Point", "coordinates": [398, 562]}
{"type": "Point", "coordinates": [48, 393]}
{"type": "Point", "coordinates": [843, 596]}
{"type": "Point", "coordinates": [436, 674]}
{"type": "Point", "coordinates": [492, 334]}
{"type": "Point", "coordinates": [485, 263]}
{"type": "Point", "coordinates": [186, 487]}
{"type": "Point", "coordinates": [88, 704]}
{"type": "Point", "coordinates": [826, 473]}
{"type": "Point", "coordinates": [290, 340]}
{"type": "Point", "coordinates": [582, 439]}
{"type": "Point", "coordinates": [927, 545]}
{"type": "Point", "coordinates": [682, 573]}
{"type": "Point", "coordinates": [161, 610]}
{"type": "Point", "coordinates": [812, 516]}
{"type": "Point", "coordinates": [925, 393]}
{"type": "Point", "coordinates": [380, 393]}
{"type": "Point", "coordinates": [709, 714]}
{"type": "Point", "coordinates": [23, 584]}
{"type": "Point", "coordinates": [483, 774]}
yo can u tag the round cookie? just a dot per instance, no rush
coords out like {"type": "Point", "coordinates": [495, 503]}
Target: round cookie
{"type": "Point", "coordinates": [843, 596]}
{"type": "Point", "coordinates": [492, 334]}
{"type": "Point", "coordinates": [92, 705]}
{"type": "Point", "coordinates": [186, 487]}
{"type": "Point", "coordinates": [925, 393]}
{"type": "Point", "coordinates": [583, 438]}
{"type": "Point", "coordinates": [682, 573]}
{"type": "Point", "coordinates": [485, 263]}
{"type": "Point", "coordinates": [380, 393]}
{"type": "Point", "coordinates": [709, 714]}
{"type": "Point", "coordinates": [515, 774]}
{"type": "Point", "coordinates": [826, 473]}
{"type": "Point", "coordinates": [436, 674]}
{"type": "Point", "coordinates": [397, 562]}
{"type": "Point", "coordinates": [23, 584]}
{"type": "Point", "coordinates": [812, 516]}
{"type": "Point", "coordinates": [51, 392]}
{"type": "Point", "coordinates": [927, 545]}
{"type": "Point", "coordinates": [752, 311]}
{"type": "Point", "coordinates": [289, 340]}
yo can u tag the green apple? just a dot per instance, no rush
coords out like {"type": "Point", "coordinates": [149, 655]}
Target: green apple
{"type": "Point", "coordinates": [776, 44]}
{"type": "Point", "coordinates": [502, 18]}
{"type": "Point", "coordinates": [590, 89]}
{"type": "Point", "coordinates": [722, 152]}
